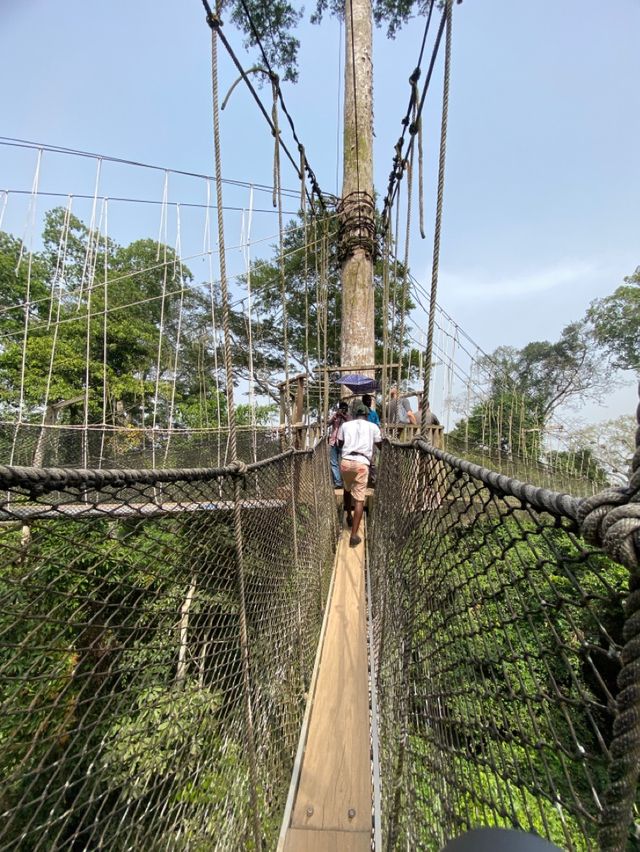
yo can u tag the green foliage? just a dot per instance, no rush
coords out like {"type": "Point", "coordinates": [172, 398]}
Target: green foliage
{"type": "Point", "coordinates": [115, 315]}
{"type": "Point", "coordinates": [515, 642]}
{"type": "Point", "coordinates": [524, 387]}
{"type": "Point", "coordinates": [579, 462]}
{"type": "Point", "coordinates": [314, 301]}
{"type": "Point", "coordinates": [274, 22]}
{"type": "Point", "coordinates": [616, 323]}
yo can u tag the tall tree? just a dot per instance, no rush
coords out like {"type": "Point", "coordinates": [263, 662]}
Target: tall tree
{"type": "Point", "coordinates": [524, 387]}
{"type": "Point", "coordinates": [314, 309]}
{"type": "Point", "coordinates": [616, 323]}
{"type": "Point", "coordinates": [272, 24]}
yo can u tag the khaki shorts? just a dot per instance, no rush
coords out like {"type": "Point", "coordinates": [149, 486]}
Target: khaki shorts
{"type": "Point", "coordinates": [354, 476]}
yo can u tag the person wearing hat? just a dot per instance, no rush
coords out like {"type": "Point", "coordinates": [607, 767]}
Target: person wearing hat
{"type": "Point", "coordinates": [340, 416]}
{"type": "Point", "coordinates": [357, 439]}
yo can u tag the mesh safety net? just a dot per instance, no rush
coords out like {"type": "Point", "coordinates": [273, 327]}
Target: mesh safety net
{"type": "Point", "coordinates": [497, 636]}
{"type": "Point", "coordinates": [157, 636]}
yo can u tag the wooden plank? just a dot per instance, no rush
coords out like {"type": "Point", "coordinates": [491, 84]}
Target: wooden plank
{"type": "Point", "coordinates": [303, 840]}
{"type": "Point", "coordinates": [334, 790]}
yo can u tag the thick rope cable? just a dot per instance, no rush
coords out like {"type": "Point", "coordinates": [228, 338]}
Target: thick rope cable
{"type": "Point", "coordinates": [303, 208]}
{"type": "Point", "coordinates": [611, 520]}
{"type": "Point", "coordinates": [397, 169]}
{"type": "Point", "coordinates": [277, 198]}
{"type": "Point", "coordinates": [438, 222]}
{"type": "Point", "coordinates": [394, 295]}
{"type": "Point", "coordinates": [261, 107]}
{"type": "Point", "coordinates": [385, 322]}
{"type": "Point", "coordinates": [304, 167]}
{"type": "Point", "coordinates": [214, 23]}
{"type": "Point", "coordinates": [212, 305]}
{"type": "Point", "coordinates": [31, 220]}
{"type": "Point", "coordinates": [405, 268]}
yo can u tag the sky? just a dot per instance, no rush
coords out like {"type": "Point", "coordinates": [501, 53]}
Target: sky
{"type": "Point", "coordinates": [543, 176]}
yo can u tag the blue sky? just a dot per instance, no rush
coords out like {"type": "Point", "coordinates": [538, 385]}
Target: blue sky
{"type": "Point", "coordinates": [543, 174]}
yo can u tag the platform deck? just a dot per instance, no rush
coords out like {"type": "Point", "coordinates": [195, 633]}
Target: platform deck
{"type": "Point", "coordinates": [332, 806]}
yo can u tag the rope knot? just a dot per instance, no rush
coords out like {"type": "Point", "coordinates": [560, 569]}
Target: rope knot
{"type": "Point", "coordinates": [238, 468]}
{"type": "Point", "coordinates": [611, 520]}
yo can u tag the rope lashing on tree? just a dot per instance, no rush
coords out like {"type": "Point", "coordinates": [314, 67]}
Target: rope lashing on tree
{"type": "Point", "coordinates": [438, 223]}
{"type": "Point", "coordinates": [357, 227]}
{"type": "Point", "coordinates": [611, 520]}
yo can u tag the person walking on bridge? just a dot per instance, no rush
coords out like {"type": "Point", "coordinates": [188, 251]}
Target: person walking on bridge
{"type": "Point", "coordinates": [340, 416]}
{"type": "Point", "coordinates": [357, 438]}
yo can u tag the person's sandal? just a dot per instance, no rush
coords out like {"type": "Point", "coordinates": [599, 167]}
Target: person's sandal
{"type": "Point", "coordinates": [354, 541]}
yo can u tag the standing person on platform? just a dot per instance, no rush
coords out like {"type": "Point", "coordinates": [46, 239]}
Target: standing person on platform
{"type": "Point", "coordinates": [340, 416]}
{"type": "Point", "coordinates": [357, 438]}
{"type": "Point", "coordinates": [399, 411]}
{"type": "Point", "coordinates": [367, 399]}
{"type": "Point", "coordinates": [432, 420]}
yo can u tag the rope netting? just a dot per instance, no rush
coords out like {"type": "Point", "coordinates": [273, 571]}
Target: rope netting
{"type": "Point", "coordinates": [153, 673]}
{"type": "Point", "coordinates": [497, 640]}
{"type": "Point", "coordinates": [131, 447]}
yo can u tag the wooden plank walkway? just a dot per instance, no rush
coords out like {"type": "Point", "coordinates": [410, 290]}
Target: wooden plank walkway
{"type": "Point", "coordinates": [332, 807]}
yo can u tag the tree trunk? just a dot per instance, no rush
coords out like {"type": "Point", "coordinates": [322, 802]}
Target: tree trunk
{"type": "Point", "coordinates": [357, 223]}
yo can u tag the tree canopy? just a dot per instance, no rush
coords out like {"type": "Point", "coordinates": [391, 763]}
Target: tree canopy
{"type": "Point", "coordinates": [615, 321]}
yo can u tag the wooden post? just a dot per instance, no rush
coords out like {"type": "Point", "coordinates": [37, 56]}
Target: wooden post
{"type": "Point", "coordinates": [283, 418]}
{"type": "Point", "coordinates": [299, 412]}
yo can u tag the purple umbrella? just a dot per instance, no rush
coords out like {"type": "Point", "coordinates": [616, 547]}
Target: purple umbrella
{"type": "Point", "coordinates": [359, 384]}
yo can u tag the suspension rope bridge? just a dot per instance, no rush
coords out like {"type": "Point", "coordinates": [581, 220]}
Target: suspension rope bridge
{"type": "Point", "coordinates": [191, 656]}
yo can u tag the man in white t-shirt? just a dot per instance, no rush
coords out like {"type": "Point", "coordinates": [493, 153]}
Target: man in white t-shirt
{"type": "Point", "coordinates": [357, 438]}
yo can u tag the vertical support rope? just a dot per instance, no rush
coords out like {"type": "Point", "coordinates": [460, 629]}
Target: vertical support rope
{"type": "Point", "coordinates": [105, 329]}
{"type": "Point", "coordinates": [214, 23]}
{"type": "Point", "coordinates": [438, 224]}
{"type": "Point", "coordinates": [162, 240]}
{"type": "Point", "coordinates": [324, 271]}
{"type": "Point", "coordinates": [385, 320]}
{"type": "Point", "coordinates": [294, 478]}
{"type": "Point", "coordinates": [277, 191]}
{"type": "Point", "coordinates": [303, 207]}
{"type": "Point", "coordinates": [323, 374]}
{"type": "Point", "coordinates": [31, 222]}
{"type": "Point", "coordinates": [212, 300]}
{"type": "Point", "coordinates": [405, 271]}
